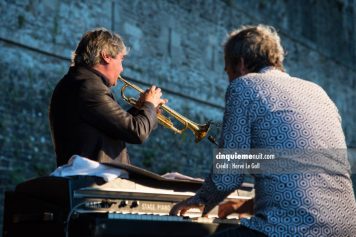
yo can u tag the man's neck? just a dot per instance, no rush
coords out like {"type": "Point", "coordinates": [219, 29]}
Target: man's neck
{"type": "Point", "coordinates": [100, 68]}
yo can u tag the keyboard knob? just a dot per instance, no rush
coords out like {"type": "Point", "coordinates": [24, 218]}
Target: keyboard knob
{"type": "Point", "coordinates": [123, 203]}
{"type": "Point", "coordinates": [134, 204]}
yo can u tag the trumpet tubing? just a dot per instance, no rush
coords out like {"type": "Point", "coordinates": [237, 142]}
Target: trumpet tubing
{"type": "Point", "coordinates": [199, 130]}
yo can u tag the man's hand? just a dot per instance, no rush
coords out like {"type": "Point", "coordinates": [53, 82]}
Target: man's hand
{"type": "Point", "coordinates": [182, 207]}
{"type": "Point", "coordinates": [152, 95]}
{"type": "Point", "coordinates": [242, 207]}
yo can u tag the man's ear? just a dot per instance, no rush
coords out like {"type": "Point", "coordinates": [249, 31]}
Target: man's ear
{"type": "Point", "coordinates": [105, 57]}
{"type": "Point", "coordinates": [242, 67]}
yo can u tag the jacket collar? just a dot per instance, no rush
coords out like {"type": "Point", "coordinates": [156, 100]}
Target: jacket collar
{"type": "Point", "coordinates": [86, 68]}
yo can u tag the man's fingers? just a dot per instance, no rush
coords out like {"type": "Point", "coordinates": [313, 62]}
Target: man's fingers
{"type": "Point", "coordinates": [153, 88]}
{"type": "Point", "coordinates": [163, 101]}
{"type": "Point", "coordinates": [179, 209]}
{"type": "Point", "coordinates": [222, 214]}
{"type": "Point", "coordinates": [226, 209]}
{"type": "Point", "coordinates": [156, 91]}
{"type": "Point", "coordinates": [183, 211]}
{"type": "Point", "coordinates": [175, 210]}
{"type": "Point", "coordinates": [182, 207]}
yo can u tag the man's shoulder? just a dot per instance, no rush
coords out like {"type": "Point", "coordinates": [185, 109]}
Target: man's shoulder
{"type": "Point", "coordinates": [271, 78]}
{"type": "Point", "coordinates": [307, 88]}
{"type": "Point", "coordinates": [248, 81]}
{"type": "Point", "coordinates": [83, 74]}
{"type": "Point", "coordinates": [80, 82]}
{"type": "Point", "coordinates": [85, 79]}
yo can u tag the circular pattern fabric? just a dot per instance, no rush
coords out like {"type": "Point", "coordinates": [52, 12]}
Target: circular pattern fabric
{"type": "Point", "coordinates": [312, 195]}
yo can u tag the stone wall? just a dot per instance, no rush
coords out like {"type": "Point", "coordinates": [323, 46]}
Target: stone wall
{"type": "Point", "coordinates": [174, 44]}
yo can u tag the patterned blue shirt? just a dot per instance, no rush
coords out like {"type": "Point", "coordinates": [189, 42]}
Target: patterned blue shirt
{"type": "Point", "coordinates": [271, 109]}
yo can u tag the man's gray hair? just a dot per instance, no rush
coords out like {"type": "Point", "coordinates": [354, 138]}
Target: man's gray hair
{"type": "Point", "coordinates": [259, 46]}
{"type": "Point", "coordinates": [93, 43]}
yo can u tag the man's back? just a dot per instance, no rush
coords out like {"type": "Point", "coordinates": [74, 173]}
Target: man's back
{"type": "Point", "coordinates": [86, 120]}
{"type": "Point", "coordinates": [310, 198]}
{"type": "Point", "coordinates": [65, 118]}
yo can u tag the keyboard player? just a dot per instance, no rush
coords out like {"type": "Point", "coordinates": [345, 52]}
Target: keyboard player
{"type": "Point", "coordinates": [306, 190]}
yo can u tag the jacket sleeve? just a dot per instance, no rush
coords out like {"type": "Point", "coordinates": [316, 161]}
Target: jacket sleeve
{"type": "Point", "coordinates": [235, 135]}
{"type": "Point", "coordinates": [98, 107]}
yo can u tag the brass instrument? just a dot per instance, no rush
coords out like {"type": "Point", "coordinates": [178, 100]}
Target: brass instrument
{"type": "Point", "coordinates": [199, 130]}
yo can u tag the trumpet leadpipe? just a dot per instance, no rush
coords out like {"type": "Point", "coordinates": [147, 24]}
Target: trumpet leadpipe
{"type": "Point", "coordinates": [199, 130]}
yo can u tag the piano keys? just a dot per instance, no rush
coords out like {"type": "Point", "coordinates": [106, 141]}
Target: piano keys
{"type": "Point", "coordinates": [137, 225]}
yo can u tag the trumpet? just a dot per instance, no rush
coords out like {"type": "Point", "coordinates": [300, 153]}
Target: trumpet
{"type": "Point", "coordinates": [199, 130]}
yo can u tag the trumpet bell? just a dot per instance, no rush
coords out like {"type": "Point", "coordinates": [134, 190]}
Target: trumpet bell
{"type": "Point", "coordinates": [202, 132]}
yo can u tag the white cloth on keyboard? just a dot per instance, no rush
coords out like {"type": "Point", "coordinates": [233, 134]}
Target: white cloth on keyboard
{"type": "Point", "coordinates": [179, 176]}
{"type": "Point", "coordinates": [78, 165]}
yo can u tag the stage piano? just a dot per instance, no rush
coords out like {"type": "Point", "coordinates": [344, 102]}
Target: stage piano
{"type": "Point", "coordinates": [84, 206]}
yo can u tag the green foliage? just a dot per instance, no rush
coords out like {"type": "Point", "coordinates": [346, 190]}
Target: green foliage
{"type": "Point", "coordinates": [17, 176]}
{"type": "Point", "coordinates": [340, 5]}
{"type": "Point", "coordinates": [55, 29]}
{"type": "Point", "coordinates": [41, 168]}
{"type": "Point", "coordinates": [167, 167]}
{"type": "Point", "coordinates": [20, 21]}
{"type": "Point", "coordinates": [230, 3]}
{"type": "Point", "coordinates": [262, 4]}
{"type": "Point", "coordinates": [148, 158]}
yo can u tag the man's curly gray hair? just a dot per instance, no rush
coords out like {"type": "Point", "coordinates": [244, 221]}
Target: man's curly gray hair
{"type": "Point", "coordinates": [258, 45]}
{"type": "Point", "coordinates": [93, 43]}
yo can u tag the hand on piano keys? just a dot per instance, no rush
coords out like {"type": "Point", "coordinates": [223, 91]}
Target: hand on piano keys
{"type": "Point", "coordinates": [182, 207]}
{"type": "Point", "coordinates": [243, 207]}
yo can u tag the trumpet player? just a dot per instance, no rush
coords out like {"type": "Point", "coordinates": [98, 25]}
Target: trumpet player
{"type": "Point", "coordinates": [84, 117]}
